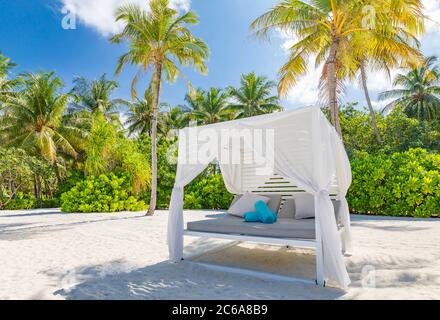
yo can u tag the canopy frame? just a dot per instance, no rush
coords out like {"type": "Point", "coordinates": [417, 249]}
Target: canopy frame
{"type": "Point", "coordinates": [301, 133]}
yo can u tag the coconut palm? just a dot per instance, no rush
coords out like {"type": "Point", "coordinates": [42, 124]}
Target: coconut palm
{"type": "Point", "coordinates": [159, 39]}
{"type": "Point", "coordinates": [324, 29]}
{"type": "Point", "coordinates": [391, 43]}
{"type": "Point", "coordinates": [95, 96]}
{"type": "Point", "coordinates": [173, 118]}
{"type": "Point", "coordinates": [418, 93]}
{"type": "Point", "coordinates": [254, 96]}
{"type": "Point", "coordinates": [33, 118]}
{"type": "Point", "coordinates": [6, 84]}
{"type": "Point", "coordinates": [139, 117]}
{"type": "Point", "coordinates": [5, 65]}
{"type": "Point", "coordinates": [211, 107]}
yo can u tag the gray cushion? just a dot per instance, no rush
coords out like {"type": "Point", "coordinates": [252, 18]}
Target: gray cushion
{"type": "Point", "coordinates": [283, 228]}
{"type": "Point", "coordinates": [288, 209]}
{"type": "Point", "coordinates": [273, 204]}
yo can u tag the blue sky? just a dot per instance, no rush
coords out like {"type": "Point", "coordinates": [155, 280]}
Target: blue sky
{"type": "Point", "coordinates": [32, 36]}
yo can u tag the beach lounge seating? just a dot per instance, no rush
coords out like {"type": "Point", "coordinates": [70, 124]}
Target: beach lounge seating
{"type": "Point", "coordinates": [285, 154]}
{"type": "Point", "coordinates": [285, 229]}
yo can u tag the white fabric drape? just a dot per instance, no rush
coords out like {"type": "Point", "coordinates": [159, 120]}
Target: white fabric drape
{"type": "Point", "coordinates": [306, 150]}
{"type": "Point", "coordinates": [186, 172]}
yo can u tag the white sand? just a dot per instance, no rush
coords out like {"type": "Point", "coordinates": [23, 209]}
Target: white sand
{"type": "Point", "coordinates": [48, 255]}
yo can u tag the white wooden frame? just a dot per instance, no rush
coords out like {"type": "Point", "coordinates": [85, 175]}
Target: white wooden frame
{"type": "Point", "coordinates": [314, 244]}
{"type": "Point", "coordinates": [287, 189]}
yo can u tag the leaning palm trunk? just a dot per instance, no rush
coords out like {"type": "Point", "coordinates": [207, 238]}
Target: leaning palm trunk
{"type": "Point", "coordinates": [57, 172]}
{"type": "Point", "coordinates": [332, 87]}
{"type": "Point", "coordinates": [156, 93]}
{"type": "Point", "coordinates": [370, 106]}
{"type": "Point", "coordinates": [12, 184]}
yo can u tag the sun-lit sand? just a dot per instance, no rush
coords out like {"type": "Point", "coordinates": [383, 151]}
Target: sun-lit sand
{"type": "Point", "coordinates": [45, 254]}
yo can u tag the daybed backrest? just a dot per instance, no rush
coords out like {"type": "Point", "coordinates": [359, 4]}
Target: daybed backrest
{"type": "Point", "coordinates": [274, 203]}
{"type": "Point", "coordinates": [280, 186]}
{"type": "Point", "coordinates": [287, 210]}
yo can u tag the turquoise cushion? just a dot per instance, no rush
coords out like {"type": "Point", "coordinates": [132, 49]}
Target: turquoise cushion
{"type": "Point", "coordinates": [251, 217]}
{"type": "Point", "coordinates": [265, 214]}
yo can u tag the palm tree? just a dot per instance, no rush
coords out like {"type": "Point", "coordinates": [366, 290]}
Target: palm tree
{"type": "Point", "coordinates": [325, 29]}
{"type": "Point", "coordinates": [254, 96]}
{"type": "Point", "coordinates": [95, 96]}
{"type": "Point", "coordinates": [158, 39]}
{"type": "Point", "coordinates": [419, 92]}
{"type": "Point", "coordinates": [5, 65]}
{"type": "Point", "coordinates": [212, 107]}
{"type": "Point", "coordinates": [6, 85]}
{"type": "Point", "coordinates": [33, 118]}
{"type": "Point", "coordinates": [387, 46]}
{"type": "Point", "coordinates": [173, 118]}
{"type": "Point", "coordinates": [139, 116]}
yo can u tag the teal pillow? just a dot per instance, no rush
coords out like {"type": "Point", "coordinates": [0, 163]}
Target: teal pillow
{"type": "Point", "coordinates": [251, 217]}
{"type": "Point", "coordinates": [265, 214]}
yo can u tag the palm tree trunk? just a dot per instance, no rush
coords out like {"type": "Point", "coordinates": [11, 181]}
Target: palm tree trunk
{"type": "Point", "coordinates": [370, 106]}
{"type": "Point", "coordinates": [332, 87]}
{"type": "Point", "coordinates": [156, 94]}
{"type": "Point", "coordinates": [12, 184]}
{"type": "Point", "coordinates": [35, 187]}
{"type": "Point", "coordinates": [57, 172]}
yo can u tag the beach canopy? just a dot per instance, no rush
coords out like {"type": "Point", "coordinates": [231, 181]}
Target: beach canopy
{"type": "Point", "coordinates": [299, 145]}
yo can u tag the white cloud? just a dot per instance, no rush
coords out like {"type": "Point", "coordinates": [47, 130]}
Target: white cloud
{"type": "Point", "coordinates": [306, 91]}
{"type": "Point", "coordinates": [432, 10]}
{"type": "Point", "coordinates": [99, 14]}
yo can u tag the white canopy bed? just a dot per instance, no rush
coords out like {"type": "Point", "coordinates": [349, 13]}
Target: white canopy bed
{"type": "Point", "coordinates": [285, 153]}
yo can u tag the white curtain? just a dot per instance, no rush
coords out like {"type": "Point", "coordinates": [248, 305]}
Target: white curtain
{"type": "Point", "coordinates": [186, 172]}
{"type": "Point", "coordinates": [306, 150]}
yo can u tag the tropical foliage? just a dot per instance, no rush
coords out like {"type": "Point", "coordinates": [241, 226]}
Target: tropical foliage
{"type": "Point", "coordinates": [87, 150]}
{"type": "Point", "coordinates": [161, 40]}
{"type": "Point", "coordinates": [103, 193]}
{"type": "Point", "coordinates": [254, 96]}
{"type": "Point", "coordinates": [335, 34]}
{"type": "Point", "coordinates": [418, 92]}
{"type": "Point", "coordinates": [403, 184]}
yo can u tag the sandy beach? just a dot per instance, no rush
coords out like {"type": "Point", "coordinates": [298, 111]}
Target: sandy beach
{"type": "Point", "coordinates": [46, 254]}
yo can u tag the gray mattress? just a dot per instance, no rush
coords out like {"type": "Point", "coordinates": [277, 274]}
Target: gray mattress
{"type": "Point", "coordinates": [283, 228]}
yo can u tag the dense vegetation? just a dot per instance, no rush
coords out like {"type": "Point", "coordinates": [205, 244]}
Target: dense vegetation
{"type": "Point", "coordinates": [69, 147]}
{"type": "Point", "coordinates": [403, 184]}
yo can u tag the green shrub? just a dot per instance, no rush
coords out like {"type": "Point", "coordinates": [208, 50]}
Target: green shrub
{"type": "Point", "coordinates": [23, 201]}
{"type": "Point", "coordinates": [401, 184]}
{"type": "Point", "coordinates": [207, 192]}
{"type": "Point", "coordinates": [104, 193]}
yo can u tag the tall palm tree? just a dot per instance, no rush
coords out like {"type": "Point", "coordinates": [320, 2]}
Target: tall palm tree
{"type": "Point", "coordinates": [419, 92]}
{"type": "Point", "coordinates": [212, 107]}
{"type": "Point", "coordinates": [324, 29]}
{"type": "Point", "coordinates": [158, 39]}
{"type": "Point", "coordinates": [33, 119]}
{"type": "Point", "coordinates": [95, 96]}
{"type": "Point", "coordinates": [254, 96]}
{"type": "Point", "coordinates": [391, 42]}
